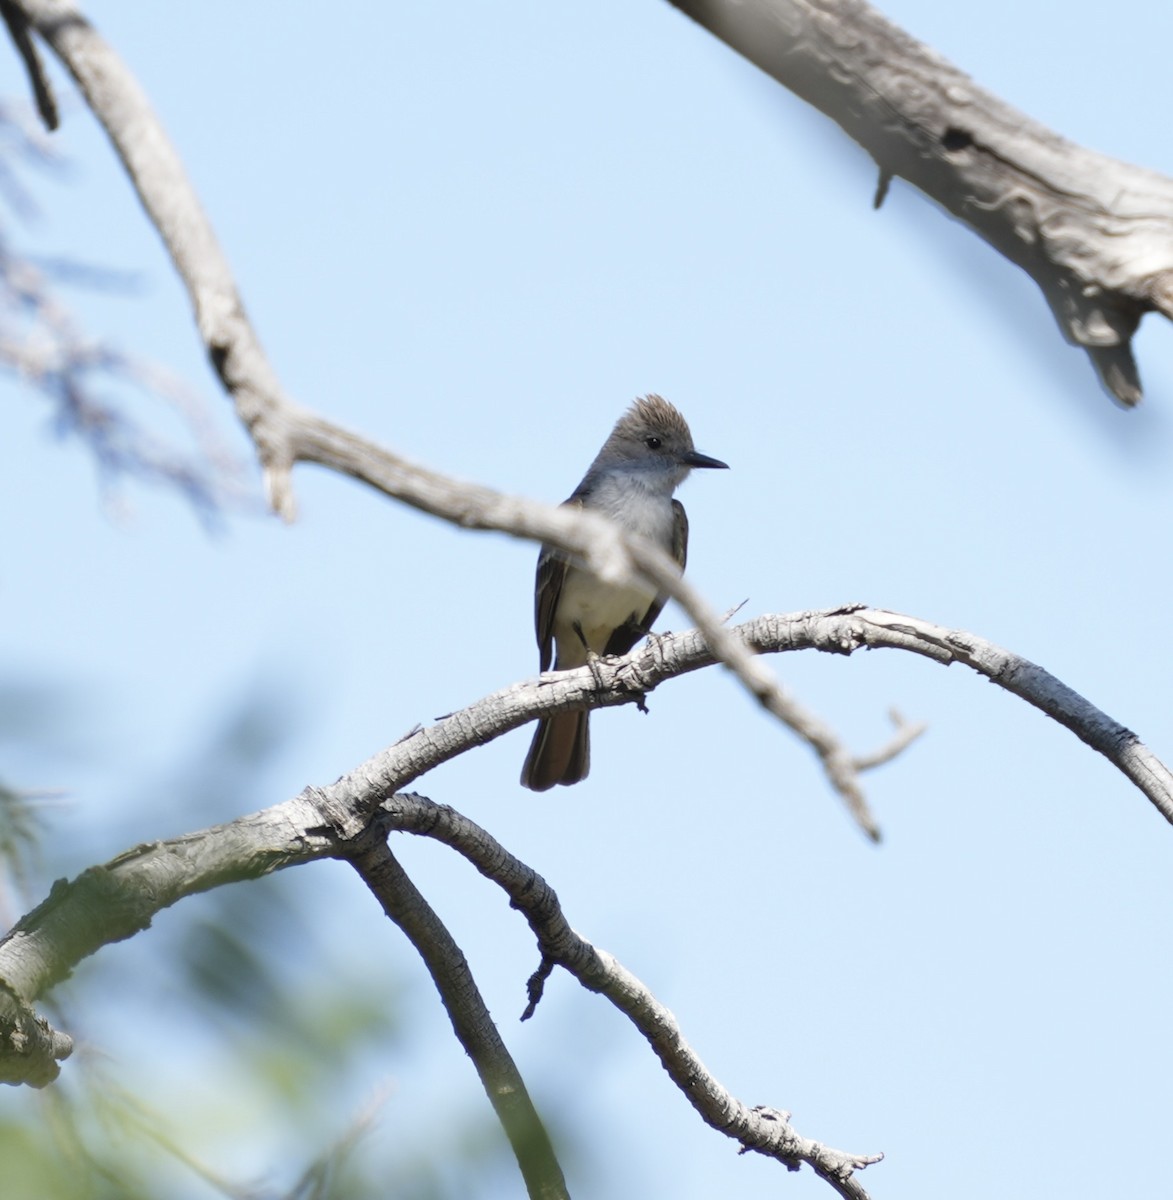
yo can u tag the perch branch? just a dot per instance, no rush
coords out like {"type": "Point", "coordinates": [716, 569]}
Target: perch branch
{"type": "Point", "coordinates": [1094, 233]}
{"type": "Point", "coordinates": [614, 681]}
{"type": "Point", "coordinates": [115, 901]}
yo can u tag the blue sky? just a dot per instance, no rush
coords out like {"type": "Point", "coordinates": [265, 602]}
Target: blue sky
{"type": "Point", "coordinates": [474, 233]}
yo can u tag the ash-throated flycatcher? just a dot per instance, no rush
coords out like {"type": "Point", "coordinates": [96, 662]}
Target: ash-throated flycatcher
{"type": "Point", "coordinates": [646, 458]}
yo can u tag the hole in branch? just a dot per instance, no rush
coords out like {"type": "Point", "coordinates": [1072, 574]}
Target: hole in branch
{"type": "Point", "coordinates": [954, 139]}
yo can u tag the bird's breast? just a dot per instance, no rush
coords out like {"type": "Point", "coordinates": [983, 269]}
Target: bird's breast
{"type": "Point", "coordinates": [597, 608]}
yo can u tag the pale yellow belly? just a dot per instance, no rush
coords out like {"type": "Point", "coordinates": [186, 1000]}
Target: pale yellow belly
{"type": "Point", "coordinates": [599, 609]}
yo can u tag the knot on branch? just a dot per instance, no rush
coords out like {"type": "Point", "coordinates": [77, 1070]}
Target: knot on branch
{"type": "Point", "coordinates": [30, 1048]}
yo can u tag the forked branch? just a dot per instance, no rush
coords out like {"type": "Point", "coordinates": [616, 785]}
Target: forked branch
{"type": "Point", "coordinates": [759, 1129]}
{"type": "Point", "coordinates": [117, 900]}
{"type": "Point", "coordinates": [401, 900]}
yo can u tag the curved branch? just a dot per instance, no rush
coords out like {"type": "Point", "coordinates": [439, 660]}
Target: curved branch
{"type": "Point", "coordinates": [115, 901]}
{"type": "Point", "coordinates": [1094, 233]}
{"type": "Point", "coordinates": [878, 629]}
{"type": "Point", "coordinates": [613, 681]}
{"type": "Point", "coordinates": [765, 1131]}
{"type": "Point", "coordinates": [118, 899]}
{"type": "Point", "coordinates": [402, 902]}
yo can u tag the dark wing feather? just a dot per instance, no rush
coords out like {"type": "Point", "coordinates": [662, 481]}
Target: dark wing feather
{"type": "Point", "coordinates": [680, 535]}
{"type": "Point", "coordinates": [547, 588]}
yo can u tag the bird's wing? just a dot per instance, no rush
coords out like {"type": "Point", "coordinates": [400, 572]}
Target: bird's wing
{"type": "Point", "coordinates": [552, 566]}
{"type": "Point", "coordinates": [680, 535]}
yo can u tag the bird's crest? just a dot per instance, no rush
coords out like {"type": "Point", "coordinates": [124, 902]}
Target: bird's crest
{"type": "Point", "coordinates": [654, 413]}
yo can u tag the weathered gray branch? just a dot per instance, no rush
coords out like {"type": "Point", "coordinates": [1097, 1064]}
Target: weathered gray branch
{"type": "Point", "coordinates": [765, 1131]}
{"type": "Point", "coordinates": [471, 1022]}
{"type": "Point", "coordinates": [115, 901]}
{"type": "Point", "coordinates": [1094, 233]}
{"type": "Point", "coordinates": [118, 899]}
{"type": "Point", "coordinates": [837, 631]}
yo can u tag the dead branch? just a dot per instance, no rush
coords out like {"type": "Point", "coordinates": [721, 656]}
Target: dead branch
{"type": "Point", "coordinates": [117, 900]}
{"type": "Point", "coordinates": [1094, 233]}
{"type": "Point", "coordinates": [762, 1130]}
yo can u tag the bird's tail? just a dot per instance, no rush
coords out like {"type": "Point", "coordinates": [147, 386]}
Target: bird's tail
{"type": "Point", "coordinates": [559, 753]}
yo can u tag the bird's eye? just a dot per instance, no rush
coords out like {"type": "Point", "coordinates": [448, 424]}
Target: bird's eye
{"type": "Point", "coordinates": [652, 443]}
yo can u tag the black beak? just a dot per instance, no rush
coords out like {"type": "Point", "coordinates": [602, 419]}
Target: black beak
{"type": "Point", "coordinates": [695, 459]}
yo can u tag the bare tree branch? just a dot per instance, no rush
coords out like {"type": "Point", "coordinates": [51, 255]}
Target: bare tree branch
{"type": "Point", "coordinates": [878, 629]}
{"type": "Point", "coordinates": [906, 732]}
{"type": "Point", "coordinates": [117, 900]}
{"type": "Point", "coordinates": [765, 1131]}
{"type": "Point", "coordinates": [837, 631]}
{"type": "Point", "coordinates": [471, 1022]}
{"type": "Point", "coordinates": [17, 23]}
{"type": "Point", "coordinates": [30, 1048]}
{"type": "Point", "coordinates": [1094, 233]}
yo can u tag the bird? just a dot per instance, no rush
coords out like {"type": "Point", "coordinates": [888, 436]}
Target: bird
{"type": "Point", "coordinates": [577, 615]}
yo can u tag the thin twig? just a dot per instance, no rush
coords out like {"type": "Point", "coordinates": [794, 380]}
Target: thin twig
{"type": "Point", "coordinates": [906, 733]}
{"type": "Point", "coordinates": [17, 22]}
